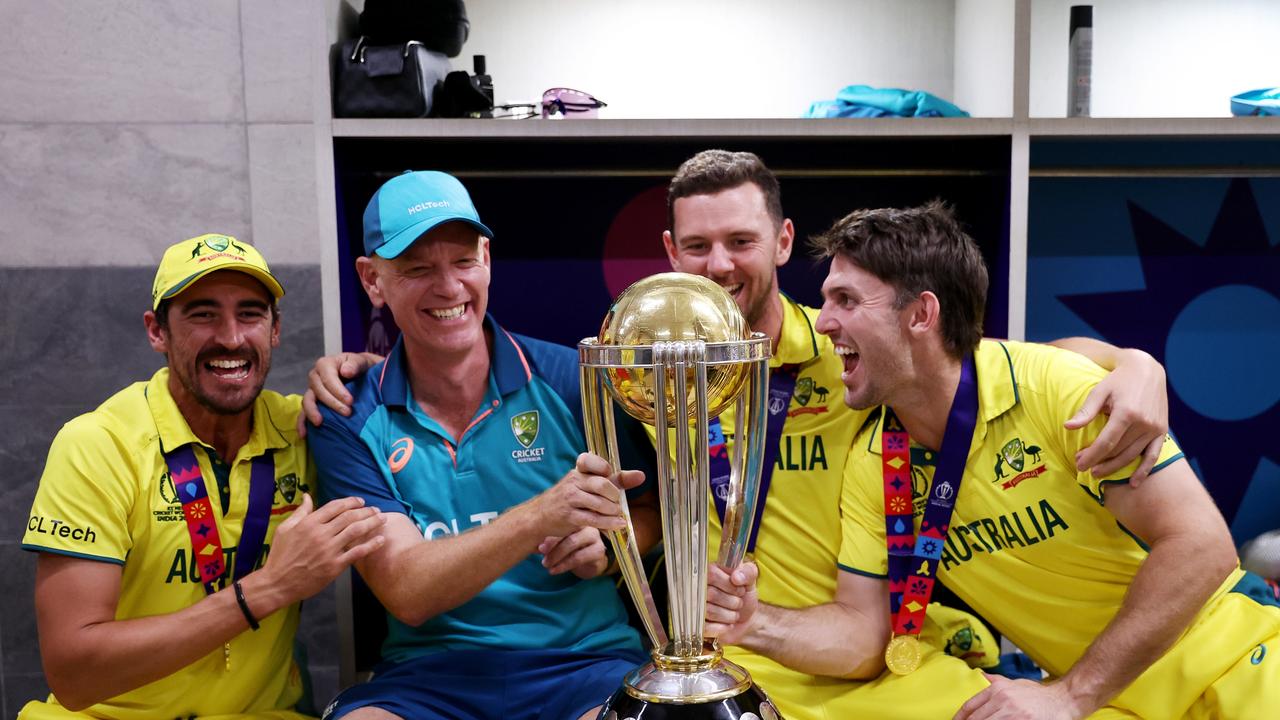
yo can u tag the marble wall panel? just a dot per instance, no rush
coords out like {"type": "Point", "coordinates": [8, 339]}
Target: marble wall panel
{"type": "Point", "coordinates": [318, 632]}
{"type": "Point", "coordinates": [21, 688]}
{"type": "Point", "coordinates": [28, 430]}
{"type": "Point", "coordinates": [278, 55]}
{"type": "Point", "coordinates": [17, 610]}
{"type": "Point", "coordinates": [282, 173]}
{"type": "Point", "coordinates": [73, 336]}
{"type": "Point", "coordinates": [89, 194]}
{"type": "Point", "coordinates": [127, 61]}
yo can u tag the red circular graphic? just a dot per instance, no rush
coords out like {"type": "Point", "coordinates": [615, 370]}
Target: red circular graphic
{"type": "Point", "coordinates": [633, 245]}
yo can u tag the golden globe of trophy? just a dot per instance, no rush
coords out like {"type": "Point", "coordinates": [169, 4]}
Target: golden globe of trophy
{"type": "Point", "coordinates": [673, 351]}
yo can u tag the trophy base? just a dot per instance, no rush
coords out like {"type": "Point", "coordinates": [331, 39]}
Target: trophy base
{"type": "Point", "coordinates": [750, 704]}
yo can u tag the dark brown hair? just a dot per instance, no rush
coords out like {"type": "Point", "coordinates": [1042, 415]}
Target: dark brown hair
{"type": "Point", "coordinates": [713, 171]}
{"type": "Point", "coordinates": [914, 250]}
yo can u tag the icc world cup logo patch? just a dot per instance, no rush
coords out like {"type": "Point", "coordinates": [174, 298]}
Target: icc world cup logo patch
{"type": "Point", "coordinates": [944, 491]}
{"type": "Point", "coordinates": [168, 492]}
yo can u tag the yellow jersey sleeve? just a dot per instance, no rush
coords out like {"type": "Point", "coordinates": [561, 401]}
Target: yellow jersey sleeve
{"type": "Point", "coordinates": [862, 541]}
{"type": "Point", "coordinates": [1060, 381]}
{"type": "Point", "coordinates": [82, 505]}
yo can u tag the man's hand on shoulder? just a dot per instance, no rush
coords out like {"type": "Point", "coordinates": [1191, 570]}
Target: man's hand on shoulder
{"type": "Point", "coordinates": [326, 385]}
{"type": "Point", "coordinates": [312, 547]}
{"type": "Point", "coordinates": [1021, 700]}
{"type": "Point", "coordinates": [1135, 399]}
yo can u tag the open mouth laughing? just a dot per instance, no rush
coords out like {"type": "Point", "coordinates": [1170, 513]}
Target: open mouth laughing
{"type": "Point", "coordinates": [229, 369]}
{"type": "Point", "coordinates": [452, 313]}
{"type": "Point", "coordinates": [849, 357]}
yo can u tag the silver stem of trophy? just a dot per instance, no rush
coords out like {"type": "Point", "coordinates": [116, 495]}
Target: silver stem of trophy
{"type": "Point", "coordinates": [740, 505]}
{"type": "Point", "coordinates": [683, 489]}
{"type": "Point", "coordinates": [602, 440]}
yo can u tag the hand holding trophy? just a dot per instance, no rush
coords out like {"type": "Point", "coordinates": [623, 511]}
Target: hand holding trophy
{"type": "Point", "coordinates": [673, 352]}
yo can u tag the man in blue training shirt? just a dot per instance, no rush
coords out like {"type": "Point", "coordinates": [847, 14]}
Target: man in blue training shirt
{"type": "Point", "coordinates": [492, 568]}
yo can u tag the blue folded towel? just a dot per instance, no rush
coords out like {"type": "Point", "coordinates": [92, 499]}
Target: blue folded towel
{"type": "Point", "coordinates": [866, 101]}
{"type": "Point", "coordinates": [1256, 102]}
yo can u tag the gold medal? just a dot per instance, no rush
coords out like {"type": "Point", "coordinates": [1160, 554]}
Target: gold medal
{"type": "Point", "coordinates": [902, 655]}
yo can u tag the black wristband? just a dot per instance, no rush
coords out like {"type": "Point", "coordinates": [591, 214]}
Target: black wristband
{"type": "Point", "coordinates": [244, 606]}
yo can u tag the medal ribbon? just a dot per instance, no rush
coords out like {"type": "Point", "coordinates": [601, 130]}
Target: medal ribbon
{"type": "Point", "coordinates": [197, 510]}
{"type": "Point", "coordinates": [913, 561]}
{"type": "Point", "coordinates": [782, 383]}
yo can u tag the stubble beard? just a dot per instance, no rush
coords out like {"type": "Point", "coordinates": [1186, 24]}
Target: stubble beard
{"type": "Point", "coordinates": [755, 311]}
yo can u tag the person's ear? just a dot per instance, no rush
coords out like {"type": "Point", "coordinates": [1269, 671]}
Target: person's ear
{"type": "Point", "coordinates": [923, 314]}
{"type": "Point", "coordinates": [367, 269]}
{"type": "Point", "coordinates": [156, 334]}
{"type": "Point", "coordinates": [669, 244]}
{"type": "Point", "coordinates": [786, 242]}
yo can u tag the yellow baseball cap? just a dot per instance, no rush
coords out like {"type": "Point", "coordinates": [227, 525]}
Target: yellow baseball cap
{"type": "Point", "coordinates": [188, 261]}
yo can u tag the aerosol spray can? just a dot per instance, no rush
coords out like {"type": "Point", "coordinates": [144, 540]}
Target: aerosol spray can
{"type": "Point", "coordinates": [1080, 61]}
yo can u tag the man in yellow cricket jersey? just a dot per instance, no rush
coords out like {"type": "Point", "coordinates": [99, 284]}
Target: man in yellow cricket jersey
{"type": "Point", "coordinates": [156, 595]}
{"type": "Point", "coordinates": [1130, 597]}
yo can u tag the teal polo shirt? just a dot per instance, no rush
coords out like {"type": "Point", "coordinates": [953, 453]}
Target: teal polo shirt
{"type": "Point", "coordinates": [525, 436]}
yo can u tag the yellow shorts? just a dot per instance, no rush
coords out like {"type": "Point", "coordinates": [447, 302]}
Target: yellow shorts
{"type": "Point", "coordinates": [1226, 666]}
{"type": "Point", "coordinates": [936, 689]}
{"type": "Point", "coordinates": [1250, 688]}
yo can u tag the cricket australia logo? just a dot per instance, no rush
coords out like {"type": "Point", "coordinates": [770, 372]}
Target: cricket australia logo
{"type": "Point", "coordinates": [1013, 455]}
{"type": "Point", "coordinates": [216, 243]}
{"type": "Point", "coordinates": [287, 487]}
{"type": "Point", "coordinates": [525, 427]}
{"type": "Point", "coordinates": [806, 390]}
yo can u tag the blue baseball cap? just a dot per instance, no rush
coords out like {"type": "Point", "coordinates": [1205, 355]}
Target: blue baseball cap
{"type": "Point", "coordinates": [409, 205]}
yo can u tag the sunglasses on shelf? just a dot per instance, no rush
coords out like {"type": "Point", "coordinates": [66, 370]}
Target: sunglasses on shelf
{"type": "Point", "coordinates": [570, 103]}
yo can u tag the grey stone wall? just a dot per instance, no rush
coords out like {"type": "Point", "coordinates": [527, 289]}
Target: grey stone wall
{"type": "Point", "coordinates": [125, 127]}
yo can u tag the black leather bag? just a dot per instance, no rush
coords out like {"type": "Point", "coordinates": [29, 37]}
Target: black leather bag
{"type": "Point", "coordinates": [387, 80]}
{"type": "Point", "coordinates": [441, 25]}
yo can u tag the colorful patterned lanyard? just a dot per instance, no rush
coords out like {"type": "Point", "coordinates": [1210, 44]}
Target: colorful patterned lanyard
{"type": "Point", "coordinates": [206, 542]}
{"type": "Point", "coordinates": [913, 562]}
{"type": "Point", "coordinates": [782, 383]}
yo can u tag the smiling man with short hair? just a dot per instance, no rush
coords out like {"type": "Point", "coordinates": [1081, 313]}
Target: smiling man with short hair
{"type": "Point", "coordinates": [492, 576]}
{"type": "Point", "coordinates": [175, 532]}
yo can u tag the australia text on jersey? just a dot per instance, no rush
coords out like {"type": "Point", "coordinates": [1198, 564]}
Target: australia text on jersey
{"type": "Point", "coordinates": [1022, 528]}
